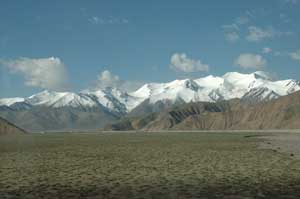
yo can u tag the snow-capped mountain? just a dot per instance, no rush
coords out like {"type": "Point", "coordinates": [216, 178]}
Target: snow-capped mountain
{"type": "Point", "coordinates": [256, 86]}
{"type": "Point", "coordinates": [260, 94]}
{"type": "Point", "coordinates": [60, 99]}
{"type": "Point", "coordinates": [211, 89]}
{"type": "Point", "coordinates": [10, 101]}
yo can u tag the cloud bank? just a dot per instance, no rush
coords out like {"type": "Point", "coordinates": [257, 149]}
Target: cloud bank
{"type": "Point", "coordinates": [110, 20]}
{"type": "Point", "coordinates": [267, 50]}
{"type": "Point", "coordinates": [250, 61]}
{"type": "Point", "coordinates": [291, 2]}
{"type": "Point", "coordinates": [107, 79]}
{"type": "Point", "coordinates": [180, 62]}
{"type": "Point", "coordinates": [231, 32]}
{"type": "Point", "coordinates": [295, 55]}
{"type": "Point", "coordinates": [258, 34]}
{"type": "Point", "coordinates": [46, 73]}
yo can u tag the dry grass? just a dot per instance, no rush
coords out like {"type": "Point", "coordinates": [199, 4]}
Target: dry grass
{"type": "Point", "coordinates": [140, 165]}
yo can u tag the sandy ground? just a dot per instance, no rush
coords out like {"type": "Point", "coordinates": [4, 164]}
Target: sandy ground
{"type": "Point", "coordinates": [283, 142]}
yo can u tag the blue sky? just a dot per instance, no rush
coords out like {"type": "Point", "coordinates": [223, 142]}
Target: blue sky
{"type": "Point", "coordinates": [66, 45]}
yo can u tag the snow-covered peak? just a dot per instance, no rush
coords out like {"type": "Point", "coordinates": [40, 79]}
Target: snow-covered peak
{"type": "Point", "coordinates": [234, 80]}
{"type": "Point", "coordinates": [283, 87]}
{"type": "Point", "coordinates": [182, 90]}
{"type": "Point", "coordinates": [144, 91]}
{"type": "Point", "coordinates": [60, 99]}
{"type": "Point", "coordinates": [210, 81]}
{"type": "Point", "coordinates": [239, 81]}
{"type": "Point", "coordinates": [214, 88]}
{"type": "Point", "coordinates": [128, 101]}
{"type": "Point", "coordinates": [107, 99]}
{"type": "Point", "coordinates": [182, 84]}
{"type": "Point", "coordinates": [44, 98]}
{"type": "Point", "coordinates": [10, 101]}
{"type": "Point", "coordinates": [73, 100]}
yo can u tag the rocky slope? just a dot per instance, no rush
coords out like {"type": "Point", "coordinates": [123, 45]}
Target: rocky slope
{"type": "Point", "coordinates": [281, 113]}
{"type": "Point", "coordinates": [7, 128]}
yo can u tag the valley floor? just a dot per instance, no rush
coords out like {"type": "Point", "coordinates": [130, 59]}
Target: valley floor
{"type": "Point", "coordinates": [288, 143]}
{"type": "Point", "coordinates": [150, 165]}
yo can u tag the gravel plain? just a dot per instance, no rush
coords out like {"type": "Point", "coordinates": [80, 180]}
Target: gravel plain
{"type": "Point", "coordinates": [288, 143]}
{"type": "Point", "coordinates": [168, 165]}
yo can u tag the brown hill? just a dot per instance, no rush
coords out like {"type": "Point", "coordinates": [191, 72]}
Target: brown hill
{"type": "Point", "coordinates": [282, 113]}
{"type": "Point", "coordinates": [7, 128]}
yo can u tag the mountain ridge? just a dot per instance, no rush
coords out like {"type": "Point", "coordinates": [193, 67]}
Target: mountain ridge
{"type": "Point", "coordinates": [206, 89]}
{"type": "Point", "coordinates": [281, 113]}
{"type": "Point", "coordinates": [76, 110]}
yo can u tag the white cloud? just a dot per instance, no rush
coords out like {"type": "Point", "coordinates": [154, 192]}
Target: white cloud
{"type": "Point", "coordinates": [232, 36]}
{"type": "Point", "coordinates": [107, 79]}
{"type": "Point", "coordinates": [46, 73]}
{"type": "Point", "coordinates": [242, 20]}
{"type": "Point", "coordinates": [251, 13]}
{"type": "Point", "coordinates": [258, 34]}
{"type": "Point", "coordinates": [248, 61]}
{"type": "Point", "coordinates": [94, 20]}
{"type": "Point", "coordinates": [291, 1]}
{"type": "Point", "coordinates": [267, 50]}
{"type": "Point", "coordinates": [231, 32]}
{"type": "Point", "coordinates": [295, 55]}
{"type": "Point", "coordinates": [108, 20]}
{"type": "Point", "coordinates": [180, 62]}
{"type": "Point", "coordinates": [284, 18]}
{"type": "Point", "coordinates": [278, 53]}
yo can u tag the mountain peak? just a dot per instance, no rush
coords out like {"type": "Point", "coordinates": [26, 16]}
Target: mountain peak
{"type": "Point", "coordinates": [185, 83]}
{"type": "Point", "coordinates": [210, 81]}
{"type": "Point", "coordinates": [10, 101]}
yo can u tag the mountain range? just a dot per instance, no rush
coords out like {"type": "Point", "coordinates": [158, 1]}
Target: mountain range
{"type": "Point", "coordinates": [281, 113]}
{"type": "Point", "coordinates": [93, 109]}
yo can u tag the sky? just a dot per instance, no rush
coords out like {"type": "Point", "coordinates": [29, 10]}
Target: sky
{"type": "Point", "coordinates": [65, 45]}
